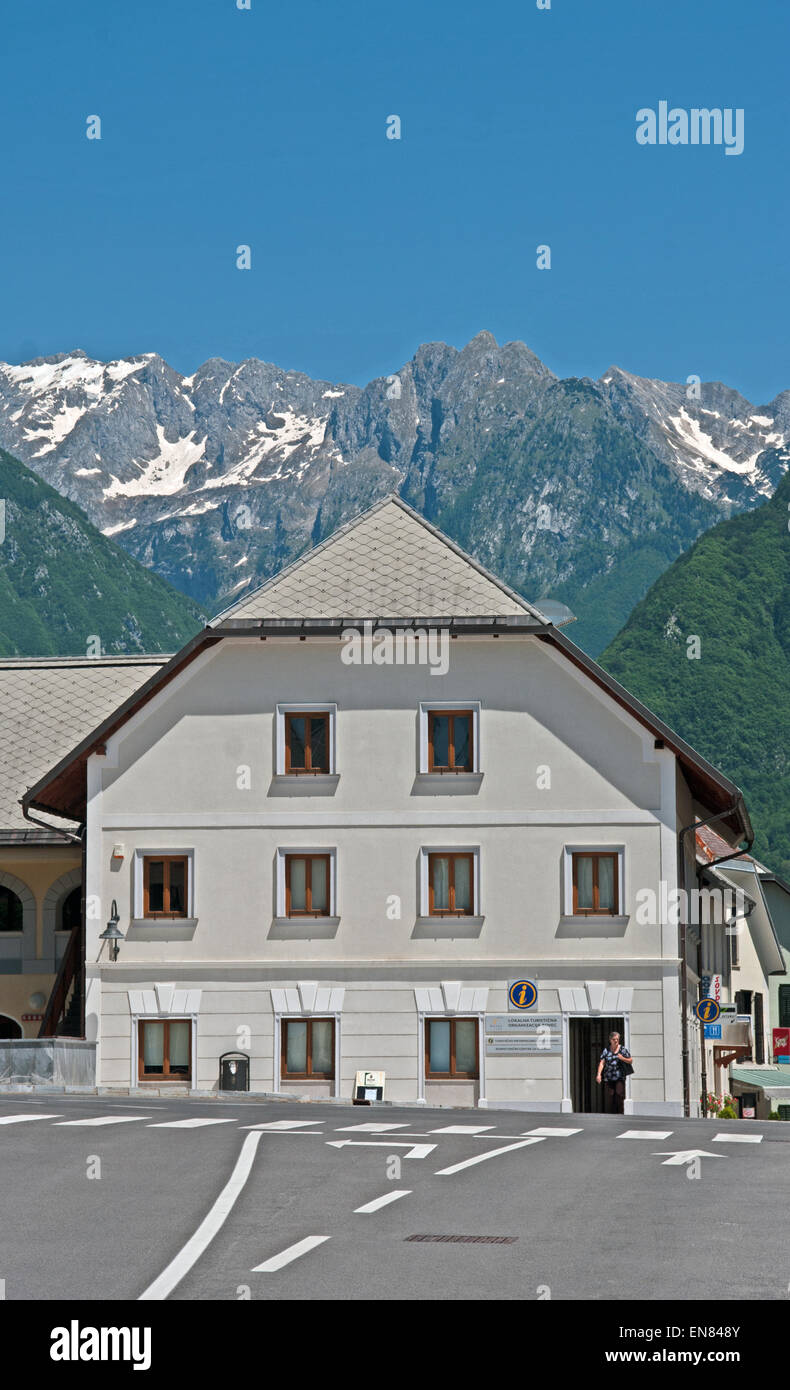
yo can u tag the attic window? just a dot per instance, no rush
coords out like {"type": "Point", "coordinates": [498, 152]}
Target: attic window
{"type": "Point", "coordinates": [306, 743]}
{"type": "Point", "coordinates": [165, 885]}
{"type": "Point", "coordinates": [450, 740]}
{"type": "Point", "coordinates": [305, 740]}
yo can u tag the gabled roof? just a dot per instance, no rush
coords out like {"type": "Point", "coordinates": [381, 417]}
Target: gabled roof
{"type": "Point", "coordinates": [387, 563]}
{"type": "Point", "coordinates": [46, 705]}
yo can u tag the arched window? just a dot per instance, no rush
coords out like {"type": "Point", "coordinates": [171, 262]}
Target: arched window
{"type": "Point", "coordinates": [10, 916]}
{"type": "Point", "coordinates": [9, 1028]}
{"type": "Point", "coordinates": [70, 910]}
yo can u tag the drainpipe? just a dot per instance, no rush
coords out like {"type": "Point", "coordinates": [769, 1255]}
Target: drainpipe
{"type": "Point", "coordinates": [736, 805]}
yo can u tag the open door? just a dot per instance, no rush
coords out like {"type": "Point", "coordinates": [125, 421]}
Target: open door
{"type": "Point", "coordinates": [588, 1038]}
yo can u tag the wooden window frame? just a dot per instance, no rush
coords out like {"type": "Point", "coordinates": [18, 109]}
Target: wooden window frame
{"type": "Point", "coordinates": [452, 715]}
{"type": "Point", "coordinates": [596, 911]}
{"type": "Point", "coordinates": [308, 911]}
{"type": "Point", "coordinates": [451, 910]}
{"type": "Point", "coordinates": [308, 1075]}
{"type": "Point", "coordinates": [307, 770]}
{"type": "Point", "coordinates": [165, 859]}
{"type": "Point", "coordinates": [453, 1074]}
{"type": "Point", "coordinates": [165, 1074]}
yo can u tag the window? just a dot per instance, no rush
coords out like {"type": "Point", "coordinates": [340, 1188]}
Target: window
{"type": "Point", "coordinates": [165, 885]}
{"type": "Point", "coordinates": [595, 884]}
{"type": "Point", "coordinates": [165, 1049]}
{"type": "Point", "coordinates": [71, 910]}
{"type": "Point", "coordinates": [307, 885]}
{"type": "Point", "coordinates": [308, 1049]}
{"type": "Point", "coordinates": [305, 740]}
{"type": "Point", "coordinates": [784, 1006]}
{"type": "Point", "coordinates": [450, 885]}
{"type": "Point", "coordinates": [451, 1048]}
{"type": "Point", "coordinates": [306, 743]}
{"type": "Point", "coordinates": [10, 911]}
{"type": "Point", "coordinates": [450, 740]}
{"type": "Point", "coordinates": [759, 1030]}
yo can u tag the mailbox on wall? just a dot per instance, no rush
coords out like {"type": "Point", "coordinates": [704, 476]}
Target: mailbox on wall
{"type": "Point", "coordinates": [368, 1086]}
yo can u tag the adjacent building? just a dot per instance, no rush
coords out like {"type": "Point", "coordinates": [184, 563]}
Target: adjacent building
{"type": "Point", "coordinates": [46, 704]}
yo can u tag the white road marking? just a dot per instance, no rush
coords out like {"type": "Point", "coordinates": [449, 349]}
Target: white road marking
{"type": "Point", "coordinates": [463, 1129]}
{"type": "Point", "coordinates": [481, 1158]}
{"type": "Point", "coordinates": [547, 1131]}
{"type": "Point", "coordinates": [379, 1202]}
{"type": "Point", "coordinates": [646, 1134]}
{"type": "Point", "coordinates": [286, 1257]}
{"type": "Point", "coordinates": [190, 1124]}
{"type": "Point", "coordinates": [685, 1156]}
{"type": "Point", "coordinates": [209, 1226]}
{"type": "Point", "coordinates": [286, 1124]}
{"type": "Point", "coordinates": [371, 1128]}
{"type": "Point", "coordinates": [107, 1120]}
{"type": "Point", "coordinates": [737, 1139]}
{"type": "Point", "coordinates": [20, 1119]}
{"type": "Point", "coordinates": [415, 1150]}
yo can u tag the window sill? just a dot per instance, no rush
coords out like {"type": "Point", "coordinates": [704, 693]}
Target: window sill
{"type": "Point", "coordinates": [304, 783]}
{"type": "Point", "coordinates": [161, 929]}
{"type": "Point", "coordinates": [303, 928]}
{"type": "Point", "coordinates": [592, 926]}
{"type": "Point", "coordinates": [447, 928]}
{"type": "Point", "coordinates": [447, 783]}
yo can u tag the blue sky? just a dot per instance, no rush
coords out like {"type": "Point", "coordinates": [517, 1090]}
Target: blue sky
{"type": "Point", "coordinates": [267, 127]}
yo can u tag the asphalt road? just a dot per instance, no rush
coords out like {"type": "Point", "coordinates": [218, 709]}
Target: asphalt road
{"type": "Point", "coordinates": [149, 1204]}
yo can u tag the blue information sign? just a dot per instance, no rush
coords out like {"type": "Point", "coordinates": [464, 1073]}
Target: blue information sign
{"type": "Point", "coordinates": [523, 994]}
{"type": "Point", "coordinates": [707, 1010]}
{"type": "Point", "coordinates": [713, 1030]}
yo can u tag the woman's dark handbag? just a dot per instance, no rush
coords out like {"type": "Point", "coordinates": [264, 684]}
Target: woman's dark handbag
{"type": "Point", "coordinates": [627, 1068]}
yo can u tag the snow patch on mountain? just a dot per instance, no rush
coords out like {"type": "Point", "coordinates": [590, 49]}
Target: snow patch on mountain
{"type": "Point", "coordinates": [164, 475]}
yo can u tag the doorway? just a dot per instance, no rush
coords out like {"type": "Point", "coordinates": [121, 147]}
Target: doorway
{"type": "Point", "coordinates": [588, 1038]}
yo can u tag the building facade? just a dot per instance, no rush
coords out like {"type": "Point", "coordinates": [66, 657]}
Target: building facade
{"type": "Point", "coordinates": [361, 820]}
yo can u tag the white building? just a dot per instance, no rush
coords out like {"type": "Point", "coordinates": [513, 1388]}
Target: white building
{"type": "Point", "coordinates": [336, 854]}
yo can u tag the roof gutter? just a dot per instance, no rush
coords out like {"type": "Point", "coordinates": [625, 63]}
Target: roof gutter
{"type": "Point", "coordinates": [76, 839]}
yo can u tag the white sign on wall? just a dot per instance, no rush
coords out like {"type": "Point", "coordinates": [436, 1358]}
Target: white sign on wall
{"type": "Point", "coordinates": [520, 1035]}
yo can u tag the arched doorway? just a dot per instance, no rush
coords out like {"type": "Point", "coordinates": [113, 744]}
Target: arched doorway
{"type": "Point", "coordinates": [9, 1028]}
{"type": "Point", "coordinates": [70, 910]}
{"type": "Point", "coordinates": [11, 910]}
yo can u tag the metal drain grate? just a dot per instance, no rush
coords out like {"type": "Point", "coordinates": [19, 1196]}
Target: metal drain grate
{"type": "Point", "coordinates": [467, 1240]}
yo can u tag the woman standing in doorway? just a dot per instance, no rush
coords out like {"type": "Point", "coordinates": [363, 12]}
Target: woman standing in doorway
{"type": "Point", "coordinates": [611, 1067]}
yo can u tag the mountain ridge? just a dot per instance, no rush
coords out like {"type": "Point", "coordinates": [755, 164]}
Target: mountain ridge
{"type": "Point", "coordinates": [577, 489]}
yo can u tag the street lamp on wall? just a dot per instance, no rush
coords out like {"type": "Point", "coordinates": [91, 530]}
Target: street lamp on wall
{"type": "Point", "coordinates": [111, 932]}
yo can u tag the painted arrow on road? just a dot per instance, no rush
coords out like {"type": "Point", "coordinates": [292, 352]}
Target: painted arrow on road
{"type": "Point", "coordinates": [685, 1156]}
{"type": "Point", "coordinates": [415, 1150]}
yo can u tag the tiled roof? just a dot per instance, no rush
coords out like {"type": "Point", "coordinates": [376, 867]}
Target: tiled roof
{"type": "Point", "coordinates": [711, 845]}
{"type": "Point", "coordinates": [388, 563]}
{"type": "Point", "coordinates": [47, 705]}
